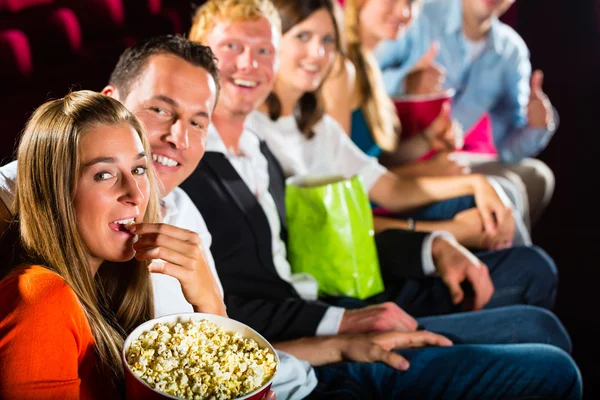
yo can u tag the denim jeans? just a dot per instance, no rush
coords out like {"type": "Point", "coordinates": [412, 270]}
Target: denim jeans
{"type": "Point", "coordinates": [445, 209]}
{"type": "Point", "coordinates": [521, 275]}
{"type": "Point", "coordinates": [517, 324]}
{"type": "Point", "coordinates": [516, 371]}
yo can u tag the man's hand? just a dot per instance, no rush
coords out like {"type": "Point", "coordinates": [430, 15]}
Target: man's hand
{"type": "Point", "coordinates": [490, 205]}
{"type": "Point", "coordinates": [377, 318]}
{"type": "Point", "coordinates": [539, 109]}
{"type": "Point", "coordinates": [183, 258]}
{"type": "Point", "coordinates": [426, 76]}
{"type": "Point", "coordinates": [470, 231]}
{"type": "Point", "coordinates": [365, 347]}
{"type": "Point", "coordinates": [377, 347]}
{"type": "Point", "coordinates": [456, 264]}
{"type": "Point", "coordinates": [444, 134]}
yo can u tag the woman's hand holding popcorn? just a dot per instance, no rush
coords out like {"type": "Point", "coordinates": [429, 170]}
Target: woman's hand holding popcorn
{"type": "Point", "coordinates": [179, 253]}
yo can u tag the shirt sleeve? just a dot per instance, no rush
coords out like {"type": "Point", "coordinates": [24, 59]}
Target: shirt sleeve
{"type": "Point", "coordinates": [348, 160]}
{"type": "Point", "coordinates": [429, 268]}
{"type": "Point", "coordinates": [331, 321]}
{"type": "Point", "coordinates": [8, 181]}
{"type": "Point", "coordinates": [43, 341]}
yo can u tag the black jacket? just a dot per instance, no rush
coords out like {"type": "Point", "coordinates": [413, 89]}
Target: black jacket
{"type": "Point", "coordinates": [242, 249]}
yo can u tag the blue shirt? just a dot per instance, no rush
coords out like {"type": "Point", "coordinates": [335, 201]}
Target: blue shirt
{"type": "Point", "coordinates": [498, 81]}
{"type": "Point", "coordinates": [361, 134]}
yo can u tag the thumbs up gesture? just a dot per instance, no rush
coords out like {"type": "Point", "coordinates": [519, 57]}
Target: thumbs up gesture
{"type": "Point", "coordinates": [427, 76]}
{"type": "Point", "coordinates": [539, 109]}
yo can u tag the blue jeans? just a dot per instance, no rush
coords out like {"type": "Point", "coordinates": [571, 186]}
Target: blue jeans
{"type": "Point", "coordinates": [515, 371]}
{"type": "Point", "coordinates": [506, 325]}
{"type": "Point", "coordinates": [442, 210]}
{"type": "Point", "coordinates": [521, 275]}
{"type": "Point", "coordinates": [518, 324]}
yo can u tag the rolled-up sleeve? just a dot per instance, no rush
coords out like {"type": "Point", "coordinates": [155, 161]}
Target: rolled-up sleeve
{"type": "Point", "coordinates": [348, 160]}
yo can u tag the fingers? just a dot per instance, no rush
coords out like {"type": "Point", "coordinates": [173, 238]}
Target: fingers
{"type": "Point", "coordinates": [165, 268]}
{"type": "Point", "coordinates": [445, 111]}
{"type": "Point", "coordinates": [425, 338]}
{"type": "Point", "coordinates": [405, 322]}
{"type": "Point", "coordinates": [453, 285]}
{"type": "Point", "coordinates": [269, 396]}
{"type": "Point", "coordinates": [170, 230]}
{"type": "Point", "coordinates": [429, 57]}
{"type": "Point", "coordinates": [376, 353]}
{"type": "Point", "coordinates": [487, 217]}
{"type": "Point", "coordinates": [163, 253]}
{"type": "Point", "coordinates": [537, 80]}
{"type": "Point", "coordinates": [154, 240]}
{"type": "Point", "coordinates": [482, 285]}
{"type": "Point", "coordinates": [405, 340]}
{"type": "Point", "coordinates": [458, 135]}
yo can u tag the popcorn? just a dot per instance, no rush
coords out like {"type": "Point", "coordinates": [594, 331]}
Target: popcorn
{"type": "Point", "coordinates": [199, 360]}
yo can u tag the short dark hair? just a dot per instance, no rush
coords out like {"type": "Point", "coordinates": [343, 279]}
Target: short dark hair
{"type": "Point", "coordinates": [132, 62]}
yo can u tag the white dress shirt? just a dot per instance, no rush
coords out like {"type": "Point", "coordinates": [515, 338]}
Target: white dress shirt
{"type": "Point", "coordinates": [252, 166]}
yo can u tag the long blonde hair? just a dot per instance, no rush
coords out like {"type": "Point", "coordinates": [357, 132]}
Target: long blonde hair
{"type": "Point", "coordinates": [117, 299]}
{"type": "Point", "coordinates": [376, 105]}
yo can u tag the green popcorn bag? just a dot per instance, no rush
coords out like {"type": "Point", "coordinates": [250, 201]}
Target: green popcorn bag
{"type": "Point", "coordinates": [330, 235]}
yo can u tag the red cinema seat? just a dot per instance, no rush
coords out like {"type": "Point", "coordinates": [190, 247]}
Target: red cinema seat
{"type": "Point", "coordinates": [15, 53]}
{"type": "Point", "coordinates": [14, 6]}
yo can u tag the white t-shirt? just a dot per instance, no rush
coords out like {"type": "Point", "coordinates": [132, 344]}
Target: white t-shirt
{"type": "Point", "coordinates": [329, 152]}
{"type": "Point", "coordinates": [474, 49]}
{"type": "Point", "coordinates": [295, 378]}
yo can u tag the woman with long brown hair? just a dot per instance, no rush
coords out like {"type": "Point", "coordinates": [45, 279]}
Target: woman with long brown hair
{"type": "Point", "coordinates": [74, 289]}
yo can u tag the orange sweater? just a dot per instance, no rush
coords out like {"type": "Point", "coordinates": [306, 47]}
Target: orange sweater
{"type": "Point", "coordinates": [46, 343]}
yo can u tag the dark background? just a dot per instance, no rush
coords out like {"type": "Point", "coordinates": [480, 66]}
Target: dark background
{"type": "Point", "coordinates": [563, 37]}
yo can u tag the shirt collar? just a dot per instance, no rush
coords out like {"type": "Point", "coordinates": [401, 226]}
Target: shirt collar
{"type": "Point", "coordinates": [214, 142]}
{"type": "Point", "coordinates": [169, 205]}
{"type": "Point", "coordinates": [454, 21]}
{"type": "Point", "coordinates": [454, 25]}
{"type": "Point", "coordinates": [249, 142]}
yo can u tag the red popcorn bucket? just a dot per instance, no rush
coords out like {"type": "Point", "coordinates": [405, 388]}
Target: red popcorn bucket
{"type": "Point", "coordinates": [137, 388]}
{"type": "Point", "coordinates": [418, 112]}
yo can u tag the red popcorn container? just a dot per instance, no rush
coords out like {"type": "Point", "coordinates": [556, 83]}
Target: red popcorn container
{"type": "Point", "coordinates": [417, 112]}
{"type": "Point", "coordinates": [137, 388]}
